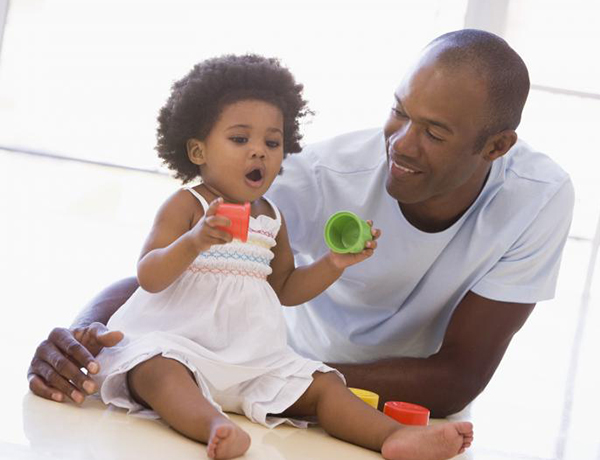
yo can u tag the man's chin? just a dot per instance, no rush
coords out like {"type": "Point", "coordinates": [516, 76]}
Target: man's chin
{"type": "Point", "coordinates": [401, 195]}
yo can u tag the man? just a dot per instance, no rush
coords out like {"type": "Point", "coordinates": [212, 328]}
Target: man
{"type": "Point", "coordinates": [473, 226]}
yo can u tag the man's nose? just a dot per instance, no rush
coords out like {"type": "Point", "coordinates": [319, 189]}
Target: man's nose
{"type": "Point", "coordinates": [403, 140]}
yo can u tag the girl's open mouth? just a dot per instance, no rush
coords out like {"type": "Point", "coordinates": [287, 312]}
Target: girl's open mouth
{"type": "Point", "coordinates": [255, 177]}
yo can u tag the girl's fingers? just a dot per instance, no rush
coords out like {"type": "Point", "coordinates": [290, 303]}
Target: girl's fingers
{"type": "Point", "coordinates": [213, 206]}
{"type": "Point", "coordinates": [217, 236]}
{"type": "Point", "coordinates": [374, 231]}
{"type": "Point", "coordinates": [217, 221]}
{"type": "Point", "coordinates": [371, 244]}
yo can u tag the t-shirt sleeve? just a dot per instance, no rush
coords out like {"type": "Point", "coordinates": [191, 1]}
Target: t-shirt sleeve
{"type": "Point", "coordinates": [528, 271]}
{"type": "Point", "coordinates": [297, 194]}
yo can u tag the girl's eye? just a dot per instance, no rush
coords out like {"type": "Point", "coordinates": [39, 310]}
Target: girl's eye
{"type": "Point", "coordinates": [432, 137]}
{"type": "Point", "coordinates": [239, 139]}
{"type": "Point", "coordinates": [273, 144]}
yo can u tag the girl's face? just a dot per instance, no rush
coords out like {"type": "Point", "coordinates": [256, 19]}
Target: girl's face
{"type": "Point", "coordinates": [242, 154]}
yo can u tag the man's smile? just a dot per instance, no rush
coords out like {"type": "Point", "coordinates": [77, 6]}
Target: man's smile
{"type": "Point", "coordinates": [401, 170]}
{"type": "Point", "coordinates": [408, 170]}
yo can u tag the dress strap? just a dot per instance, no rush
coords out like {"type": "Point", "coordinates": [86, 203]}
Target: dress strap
{"type": "Point", "coordinates": [275, 209]}
{"type": "Point", "coordinates": [200, 198]}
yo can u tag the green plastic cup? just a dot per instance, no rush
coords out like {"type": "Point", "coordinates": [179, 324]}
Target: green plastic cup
{"type": "Point", "coordinates": [346, 232]}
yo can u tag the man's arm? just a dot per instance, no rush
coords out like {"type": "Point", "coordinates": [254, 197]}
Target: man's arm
{"type": "Point", "coordinates": [479, 333]}
{"type": "Point", "coordinates": [55, 372]}
{"type": "Point", "coordinates": [106, 303]}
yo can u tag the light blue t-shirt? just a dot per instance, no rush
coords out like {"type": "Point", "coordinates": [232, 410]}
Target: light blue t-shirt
{"type": "Point", "coordinates": [398, 303]}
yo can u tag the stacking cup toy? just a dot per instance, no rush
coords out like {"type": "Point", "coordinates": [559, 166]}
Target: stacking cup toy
{"type": "Point", "coordinates": [372, 399]}
{"type": "Point", "coordinates": [239, 215]}
{"type": "Point", "coordinates": [346, 232]}
{"type": "Point", "coordinates": [407, 413]}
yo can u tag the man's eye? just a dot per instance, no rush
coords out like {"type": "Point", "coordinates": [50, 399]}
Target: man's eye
{"type": "Point", "coordinates": [273, 144]}
{"type": "Point", "coordinates": [433, 137]}
{"type": "Point", "coordinates": [239, 139]}
{"type": "Point", "coordinates": [398, 113]}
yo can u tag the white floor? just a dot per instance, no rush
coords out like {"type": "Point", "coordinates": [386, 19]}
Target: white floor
{"type": "Point", "coordinates": [69, 229]}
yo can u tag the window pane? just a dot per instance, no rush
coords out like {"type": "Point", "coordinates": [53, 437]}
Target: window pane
{"type": "Point", "coordinates": [565, 127]}
{"type": "Point", "coordinates": [558, 39]}
{"type": "Point", "coordinates": [87, 78]}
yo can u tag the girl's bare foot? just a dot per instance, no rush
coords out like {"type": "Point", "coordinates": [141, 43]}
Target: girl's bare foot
{"type": "Point", "coordinates": [436, 442]}
{"type": "Point", "coordinates": [227, 441]}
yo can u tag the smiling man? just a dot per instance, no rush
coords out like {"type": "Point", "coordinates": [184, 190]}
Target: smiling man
{"type": "Point", "coordinates": [473, 225]}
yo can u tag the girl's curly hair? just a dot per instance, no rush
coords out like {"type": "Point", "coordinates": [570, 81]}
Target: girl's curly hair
{"type": "Point", "coordinates": [197, 100]}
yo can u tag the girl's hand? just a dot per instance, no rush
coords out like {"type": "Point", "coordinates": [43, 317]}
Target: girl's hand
{"type": "Point", "coordinates": [207, 232]}
{"type": "Point", "coordinates": [343, 261]}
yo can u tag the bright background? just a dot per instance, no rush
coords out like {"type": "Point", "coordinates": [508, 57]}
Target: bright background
{"type": "Point", "coordinates": [85, 79]}
{"type": "Point", "coordinates": [81, 82]}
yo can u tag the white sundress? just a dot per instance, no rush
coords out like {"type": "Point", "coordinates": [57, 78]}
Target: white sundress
{"type": "Point", "coordinates": [224, 322]}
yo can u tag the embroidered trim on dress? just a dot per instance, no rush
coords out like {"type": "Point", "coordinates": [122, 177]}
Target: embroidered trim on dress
{"type": "Point", "coordinates": [235, 256]}
{"type": "Point", "coordinates": [262, 232]}
{"type": "Point", "coordinates": [200, 269]}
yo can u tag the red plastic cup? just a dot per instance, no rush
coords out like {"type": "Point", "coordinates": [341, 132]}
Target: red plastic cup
{"type": "Point", "coordinates": [407, 413]}
{"type": "Point", "coordinates": [239, 215]}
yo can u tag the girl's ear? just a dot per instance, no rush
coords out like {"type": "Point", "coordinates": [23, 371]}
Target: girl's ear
{"type": "Point", "coordinates": [195, 151]}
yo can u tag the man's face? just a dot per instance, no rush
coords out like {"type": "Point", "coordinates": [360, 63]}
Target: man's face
{"type": "Point", "coordinates": [431, 136]}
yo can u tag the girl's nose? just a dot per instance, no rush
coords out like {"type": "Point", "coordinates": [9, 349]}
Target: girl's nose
{"type": "Point", "coordinates": [258, 153]}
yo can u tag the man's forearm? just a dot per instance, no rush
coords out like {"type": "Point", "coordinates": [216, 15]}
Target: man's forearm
{"type": "Point", "coordinates": [432, 382]}
{"type": "Point", "coordinates": [106, 303]}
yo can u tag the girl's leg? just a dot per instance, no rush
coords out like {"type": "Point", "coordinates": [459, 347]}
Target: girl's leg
{"type": "Point", "coordinates": [166, 386]}
{"type": "Point", "coordinates": [346, 417]}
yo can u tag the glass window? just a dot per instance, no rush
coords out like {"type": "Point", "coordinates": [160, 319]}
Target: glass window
{"type": "Point", "coordinates": [86, 79]}
{"type": "Point", "coordinates": [558, 39]}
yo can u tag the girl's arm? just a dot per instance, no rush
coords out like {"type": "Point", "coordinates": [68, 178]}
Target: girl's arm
{"type": "Point", "coordinates": [180, 232]}
{"type": "Point", "coordinates": [295, 286]}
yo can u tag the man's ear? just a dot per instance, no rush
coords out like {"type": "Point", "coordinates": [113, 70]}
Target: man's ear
{"type": "Point", "coordinates": [498, 144]}
{"type": "Point", "coordinates": [195, 151]}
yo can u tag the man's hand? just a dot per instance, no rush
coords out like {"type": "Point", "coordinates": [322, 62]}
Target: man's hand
{"type": "Point", "coordinates": [55, 371]}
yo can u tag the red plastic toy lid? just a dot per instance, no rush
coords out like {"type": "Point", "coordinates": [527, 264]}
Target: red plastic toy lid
{"type": "Point", "coordinates": [407, 413]}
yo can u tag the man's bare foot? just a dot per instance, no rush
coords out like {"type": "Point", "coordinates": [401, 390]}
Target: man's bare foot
{"type": "Point", "coordinates": [435, 442]}
{"type": "Point", "coordinates": [227, 441]}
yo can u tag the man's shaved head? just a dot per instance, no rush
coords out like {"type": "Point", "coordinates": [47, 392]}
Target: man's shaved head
{"type": "Point", "coordinates": [494, 63]}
